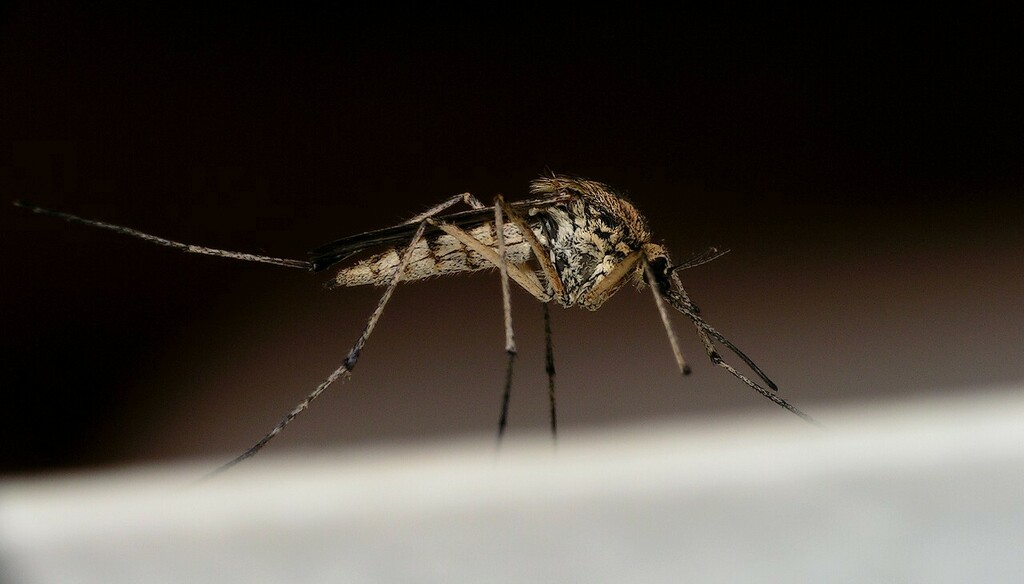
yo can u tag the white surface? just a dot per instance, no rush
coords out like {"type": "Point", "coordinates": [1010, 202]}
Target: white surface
{"type": "Point", "coordinates": [914, 492]}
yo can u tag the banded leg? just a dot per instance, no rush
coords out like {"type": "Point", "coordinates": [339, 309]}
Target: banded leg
{"type": "Point", "coordinates": [527, 280]}
{"type": "Point", "coordinates": [345, 369]}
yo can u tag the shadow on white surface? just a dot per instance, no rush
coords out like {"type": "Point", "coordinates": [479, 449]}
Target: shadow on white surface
{"type": "Point", "coordinates": [912, 492]}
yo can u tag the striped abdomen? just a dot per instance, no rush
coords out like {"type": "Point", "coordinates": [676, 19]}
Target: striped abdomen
{"type": "Point", "coordinates": [437, 254]}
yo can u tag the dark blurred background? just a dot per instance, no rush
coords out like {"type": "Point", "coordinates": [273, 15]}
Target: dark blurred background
{"type": "Point", "coordinates": [864, 168]}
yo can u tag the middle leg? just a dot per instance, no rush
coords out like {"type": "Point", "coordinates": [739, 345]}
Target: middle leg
{"type": "Point", "coordinates": [506, 304]}
{"type": "Point", "coordinates": [526, 279]}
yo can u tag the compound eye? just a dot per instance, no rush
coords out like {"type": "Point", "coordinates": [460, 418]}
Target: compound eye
{"type": "Point", "coordinates": [660, 266]}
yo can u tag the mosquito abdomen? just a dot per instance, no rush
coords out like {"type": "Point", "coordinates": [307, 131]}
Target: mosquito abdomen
{"type": "Point", "coordinates": [439, 254]}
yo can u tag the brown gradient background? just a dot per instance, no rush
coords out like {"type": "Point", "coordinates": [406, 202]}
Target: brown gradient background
{"type": "Point", "coordinates": [865, 169]}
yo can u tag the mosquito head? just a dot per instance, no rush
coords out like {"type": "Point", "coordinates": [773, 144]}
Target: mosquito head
{"type": "Point", "coordinates": [661, 267]}
{"type": "Point", "coordinates": [666, 279]}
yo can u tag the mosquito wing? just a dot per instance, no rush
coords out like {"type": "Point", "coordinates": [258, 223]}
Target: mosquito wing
{"type": "Point", "coordinates": [339, 250]}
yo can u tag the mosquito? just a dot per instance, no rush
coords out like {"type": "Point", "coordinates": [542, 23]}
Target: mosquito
{"type": "Point", "coordinates": [575, 242]}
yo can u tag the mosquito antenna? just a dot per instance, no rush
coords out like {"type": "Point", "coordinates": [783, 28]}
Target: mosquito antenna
{"type": "Point", "coordinates": [346, 367]}
{"type": "Point", "coordinates": [684, 368]}
{"type": "Point", "coordinates": [185, 247]}
{"type": "Point", "coordinates": [506, 299]}
{"type": "Point", "coordinates": [708, 255]}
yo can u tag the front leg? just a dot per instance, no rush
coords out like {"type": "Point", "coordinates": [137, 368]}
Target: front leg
{"type": "Point", "coordinates": [541, 253]}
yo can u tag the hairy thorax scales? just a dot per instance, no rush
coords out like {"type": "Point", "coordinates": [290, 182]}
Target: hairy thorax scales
{"type": "Point", "coordinates": [586, 236]}
{"type": "Point", "coordinates": [589, 236]}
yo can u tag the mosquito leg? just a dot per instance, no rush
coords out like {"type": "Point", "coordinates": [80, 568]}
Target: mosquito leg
{"type": "Point", "coordinates": [555, 282]}
{"type": "Point", "coordinates": [611, 282]}
{"type": "Point", "coordinates": [345, 369]}
{"type": "Point", "coordinates": [684, 367]}
{"type": "Point", "coordinates": [702, 324]}
{"type": "Point", "coordinates": [499, 232]}
{"type": "Point", "coordinates": [524, 278]}
{"type": "Point", "coordinates": [773, 397]}
{"type": "Point", "coordinates": [539, 252]}
{"type": "Point", "coordinates": [549, 362]}
{"type": "Point", "coordinates": [464, 198]}
{"type": "Point", "coordinates": [527, 280]}
{"type": "Point", "coordinates": [510, 341]}
{"type": "Point", "coordinates": [505, 397]}
{"type": "Point", "coordinates": [185, 247]}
